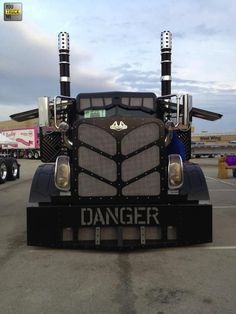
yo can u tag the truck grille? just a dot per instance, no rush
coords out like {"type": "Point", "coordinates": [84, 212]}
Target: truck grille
{"type": "Point", "coordinates": [119, 163]}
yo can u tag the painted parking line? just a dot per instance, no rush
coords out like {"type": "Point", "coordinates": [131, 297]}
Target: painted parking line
{"type": "Point", "coordinates": [221, 181]}
{"type": "Point", "coordinates": [212, 247]}
{"type": "Point", "coordinates": [221, 190]}
{"type": "Point", "coordinates": [224, 206]}
{"type": "Point", "coordinates": [223, 247]}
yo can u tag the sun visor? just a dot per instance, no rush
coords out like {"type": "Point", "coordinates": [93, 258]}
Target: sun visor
{"type": "Point", "coordinates": [205, 114]}
{"type": "Point", "coordinates": [25, 115]}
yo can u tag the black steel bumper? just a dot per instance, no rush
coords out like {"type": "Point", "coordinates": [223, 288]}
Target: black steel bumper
{"type": "Point", "coordinates": [118, 227]}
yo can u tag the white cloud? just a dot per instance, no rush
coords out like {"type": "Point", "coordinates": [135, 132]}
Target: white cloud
{"type": "Point", "coordinates": [115, 45]}
{"type": "Point", "coordinates": [29, 68]}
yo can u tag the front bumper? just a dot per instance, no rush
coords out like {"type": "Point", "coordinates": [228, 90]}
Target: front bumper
{"type": "Point", "coordinates": [118, 227]}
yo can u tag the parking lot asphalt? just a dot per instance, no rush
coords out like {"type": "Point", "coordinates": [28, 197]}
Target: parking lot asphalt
{"type": "Point", "coordinates": [196, 279]}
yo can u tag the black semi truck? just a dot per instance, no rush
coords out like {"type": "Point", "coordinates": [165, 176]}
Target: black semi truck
{"type": "Point", "coordinates": [117, 172]}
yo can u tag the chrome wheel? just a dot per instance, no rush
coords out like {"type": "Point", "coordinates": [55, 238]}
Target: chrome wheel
{"type": "Point", "coordinates": [3, 172]}
{"type": "Point", "coordinates": [14, 169]}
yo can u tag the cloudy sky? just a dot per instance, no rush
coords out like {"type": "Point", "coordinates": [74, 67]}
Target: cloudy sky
{"type": "Point", "coordinates": [115, 45]}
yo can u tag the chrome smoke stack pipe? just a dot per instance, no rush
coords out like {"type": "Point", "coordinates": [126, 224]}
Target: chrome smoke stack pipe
{"type": "Point", "coordinates": [64, 62]}
{"type": "Point", "coordinates": [166, 46]}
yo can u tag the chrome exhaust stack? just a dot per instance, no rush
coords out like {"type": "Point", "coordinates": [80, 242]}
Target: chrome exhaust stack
{"type": "Point", "coordinates": [166, 46]}
{"type": "Point", "coordinates": [64, 62]}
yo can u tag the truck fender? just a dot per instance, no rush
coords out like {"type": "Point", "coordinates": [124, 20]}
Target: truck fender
{"type": "Point", "coordinates": [43, 186]}
{"type": "Point", "coordinates": [194, 185]}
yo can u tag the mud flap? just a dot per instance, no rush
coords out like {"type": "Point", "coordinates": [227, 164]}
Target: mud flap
{"type": "Point", "coordinates": [194, 186]}
{"type": "Point", "coordinates": [43, 187]}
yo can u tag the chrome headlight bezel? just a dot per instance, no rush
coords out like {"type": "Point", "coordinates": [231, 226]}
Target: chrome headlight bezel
{"type": "Point", "coordinates": [62, 173]}
{"type": "Point", "coordinates": [175, 172]}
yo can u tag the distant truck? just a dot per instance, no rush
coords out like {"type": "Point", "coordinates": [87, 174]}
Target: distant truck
{"type": "Point", "coordinates": [26, 143]}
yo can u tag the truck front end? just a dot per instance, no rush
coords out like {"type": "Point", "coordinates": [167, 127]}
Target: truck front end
{"type": "Point", "coordinates": [117, 172]}
{"type": "Point", "coordinates": [116, 186]}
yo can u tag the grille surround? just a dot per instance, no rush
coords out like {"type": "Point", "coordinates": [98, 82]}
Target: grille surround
{"type": "Point", "coordinates": [185, 138]}
{"type": "Point", "coordinates": [123, 185]}
{"type": "Point", "coordinates": [50, 146]}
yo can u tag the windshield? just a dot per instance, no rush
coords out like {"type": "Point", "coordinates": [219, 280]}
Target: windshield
{"type": "Point", "coordinates": [115, 111]}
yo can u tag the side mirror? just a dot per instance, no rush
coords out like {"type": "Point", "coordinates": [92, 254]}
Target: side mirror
{"type": "Point", "coordinates": [43, 105]}
{"type": "Point", "coordinates": [179, 111]}
{"type": "Point", "coordinates": [184, 106]}
{"type": "Point", "coordinates": [187, 106]}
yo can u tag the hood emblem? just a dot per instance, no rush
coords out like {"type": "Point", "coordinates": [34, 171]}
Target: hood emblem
{"type": "Point", "coordinates": [118, 127]}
